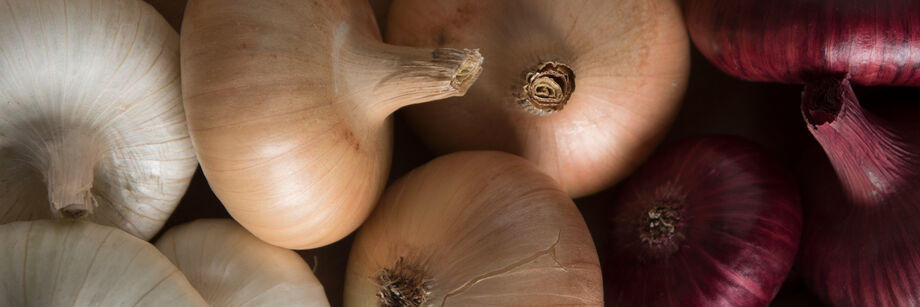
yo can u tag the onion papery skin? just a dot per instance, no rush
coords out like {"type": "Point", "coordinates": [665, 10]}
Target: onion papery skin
{"type": "Point", "coordinates": [877, 42]}
{"type": "Point", "coordinates": [289, 105]}
{"type": "Point", "coordinates": [860, 204]}
{"type": "Point", "coordinates": [78, 263]}
{"type": "Point", "coordinates": [91, 114]}
{"type": "Point", "coordinates": [861, 242]}
{"type": "Point", "coordinates": [480, 229]}
{"type": "Point", "coordinates": [735, 238]}
{"type": "Point", "coordinates": [231, 267]}
{"type": "Point", "coordinates": [630, 61]}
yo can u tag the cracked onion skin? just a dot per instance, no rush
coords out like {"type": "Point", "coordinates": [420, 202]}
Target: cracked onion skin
{"type": "Point", "coordinates": [474, 229]}
{"type": "Point", "coordinates": [289, 105]}
{"type": "Point", "coordinates": [627, 62]}
{"type": "Point", "coordinates": [711, 221]}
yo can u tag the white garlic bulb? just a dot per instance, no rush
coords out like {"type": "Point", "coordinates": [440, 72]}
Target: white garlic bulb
{"type": "Point", "coordinates": [77, 263]}
{"type": "Point", "coordinates": [231, 267]}
{"type": "Point", "coordinates": [91, 116]}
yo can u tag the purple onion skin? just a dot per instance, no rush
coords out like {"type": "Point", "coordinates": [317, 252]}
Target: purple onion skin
{"type": "Point", "coordinates": [876, 41]}
{"type": "Point", "coordinates": [861, 241]}
{"type": "Point", "coordinates": [734, 242]}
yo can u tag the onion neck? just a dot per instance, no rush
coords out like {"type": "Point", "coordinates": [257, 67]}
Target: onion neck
{"type": "Point", "coordinates": [387, 77]}
{"type": "Point", "coordinates": [67, 163]}
{"type": "Point", "coordinates": [660, 229]}
{"type": "Point", "coordinates": [403, 284]}
{"type": "Point", "coordinates": [547, 88]}
{"type": "Point", "coordinates": [870, 157]}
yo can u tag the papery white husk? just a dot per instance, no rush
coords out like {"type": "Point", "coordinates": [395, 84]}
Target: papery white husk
{"type": "Point", "coordinates": [78, 263]}
{"type": "Point", "coordinates": [91, 87]}
{"type": "Point", "coordinates": [231, 267]}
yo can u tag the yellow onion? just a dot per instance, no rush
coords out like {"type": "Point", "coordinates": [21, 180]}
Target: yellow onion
{"type": "Point", "coordinates": [474, 229]}
{"type": "Point", "coordinates": [585, 89]}
{"type": "Point", "coordinates": [288, 105]}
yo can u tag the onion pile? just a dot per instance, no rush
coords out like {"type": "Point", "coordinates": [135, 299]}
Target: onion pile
{"type": "Point", "coordinates": [288, 105]}
{"type": "Point", "coordinates": [861, 204]}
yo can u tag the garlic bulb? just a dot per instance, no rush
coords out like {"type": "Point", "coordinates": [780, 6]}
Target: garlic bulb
{"type": "Point", "coordinates": [288, 104]}
{"type": "Point", "coordinates": [231, 267]}
{"type": "Point", "coordinates": [585, 89]}
{"type": "Point", "coordinates": [91, 117]}
{"type": "Point", "coordinates": [474, 229]}
{"type": "Point", "coordinates": [77, 263]}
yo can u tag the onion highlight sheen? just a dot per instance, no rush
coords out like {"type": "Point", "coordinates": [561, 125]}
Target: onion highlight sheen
{"type": "Point", "coordinates": [709, 222]}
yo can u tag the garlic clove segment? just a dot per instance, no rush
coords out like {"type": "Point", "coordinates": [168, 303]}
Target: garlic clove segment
{"type": "Point", "coordinates": [474, 229]}
{"type": "Point", "coordinates": [78, 263]}
{"type": "Point", "coordinates": [584, 89]}
{"type": "Point", "coordinates": [288, 104]}
{"type": "Point", "coordinates": [91, 118]}
{"type": "Point", "coordinates": [231, 267]}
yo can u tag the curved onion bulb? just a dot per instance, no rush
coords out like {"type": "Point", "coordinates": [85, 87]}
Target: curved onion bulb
{"type": "Point", "coordinates": [231, 267]}
{"type": "Point", "coordinates": [606, 76]}
{"type": "Point", "coordinates": [91, 118]}
{"type": "Point", "coordinates": [77, 263]}
{"type": "Point", "coordinates": [861, 237]}
{"type": "Point", "coordinates": [288, 105]}
{"type": "Point", "coordinates": [860, 241]}
{"type": "Point", "coordinates": [709, 222]}
{"type": "Point", "coordinates": [474, 229]}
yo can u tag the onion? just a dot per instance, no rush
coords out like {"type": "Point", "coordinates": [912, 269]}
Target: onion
{"type": "Point", "coordinates": [474, 229]}
{"type": "Point", "coordinates": [863, 206]}
{"type": "Point", "coordinates": [78, 263]}
{"type": "Point", "coordinates": [231, 267]}
{"type": "Point", "coordinates": [585, 89]}
{"type": "Point", "coordinates": [289, 104]}
{"type": "Point", "coordinates": [708, 222]}
{"type": "Point", "coordinates": [91, 118]}
{"type": "Point", "coordinates": [860, 241]}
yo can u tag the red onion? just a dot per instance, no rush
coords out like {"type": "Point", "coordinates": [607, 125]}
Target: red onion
{"type": "Point", "coordinates": [861, 236]}
{"type": "Point", "coordinates": [709, 222]}
{"type": "Point", "coordinates": [861, 239]}
{"type": "Point", "coordinates": [876, 41]}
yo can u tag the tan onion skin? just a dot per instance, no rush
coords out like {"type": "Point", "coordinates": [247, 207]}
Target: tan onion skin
{"type": "Point", "coordinates": [487, 228]}
{"type": "Point", "coordinates": [78, 263]}
{"type": "Point", "coordinates": [631, 65]}
{"type": "Point", "coordinates": [288, 104]}
{"type": "Point", "coordinates": [231, 267]}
